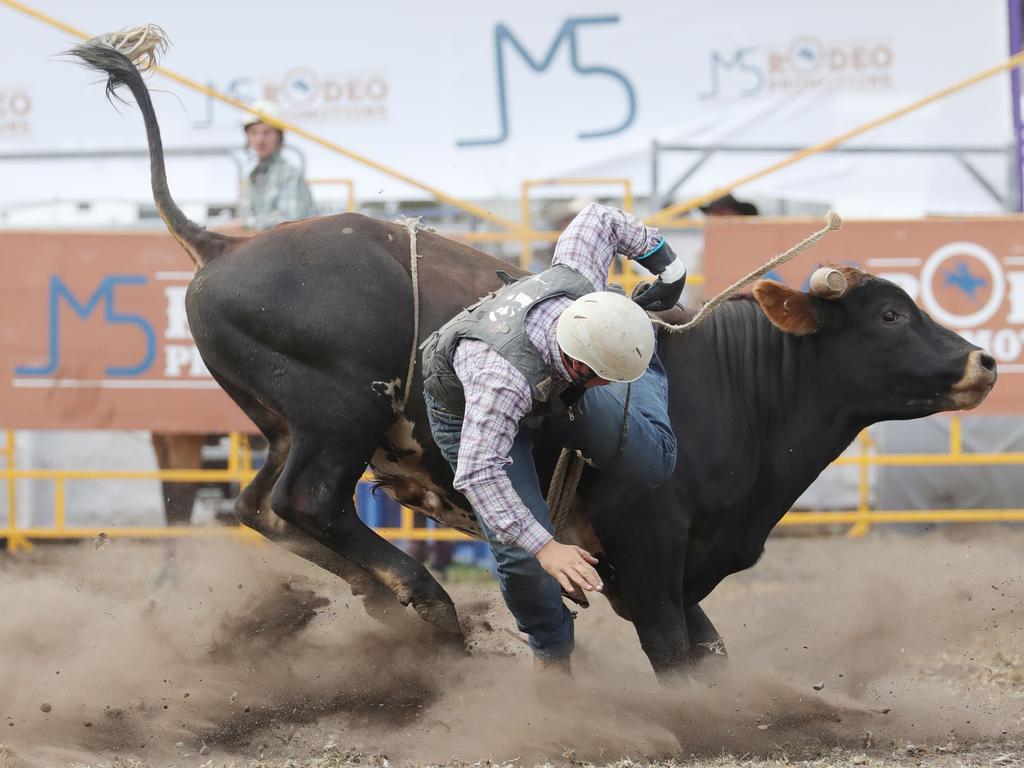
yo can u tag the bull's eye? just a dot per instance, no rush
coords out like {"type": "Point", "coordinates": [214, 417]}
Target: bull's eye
{"type": "Point", "coordinates": [890, 316]}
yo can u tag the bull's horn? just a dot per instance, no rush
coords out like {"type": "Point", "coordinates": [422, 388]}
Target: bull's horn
{"type": "Point", "coordinates": [828, 283]}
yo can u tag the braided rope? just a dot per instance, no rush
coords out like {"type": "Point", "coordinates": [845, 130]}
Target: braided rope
{"type": "Point", "coordinates": [412, 225]}
{"type": "Point", "coordinates": [834, 222]}
{"type": "Point", "coordinates": [562, 490]}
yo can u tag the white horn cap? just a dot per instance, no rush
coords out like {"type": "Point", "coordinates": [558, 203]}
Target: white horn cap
{"type": "Point", "coordinates": [828, 283]}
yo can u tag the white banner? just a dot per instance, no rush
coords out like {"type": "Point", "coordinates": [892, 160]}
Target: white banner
{"type": "Point", "coordinates": [474, 97]}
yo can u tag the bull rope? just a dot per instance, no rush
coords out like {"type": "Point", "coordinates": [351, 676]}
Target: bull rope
{"type": "Point", "coordinates": [562, 490]}
{"type": "Point", "coordinates": [834, 222]}
{"type": "Point", "coordinates": [412, 226]}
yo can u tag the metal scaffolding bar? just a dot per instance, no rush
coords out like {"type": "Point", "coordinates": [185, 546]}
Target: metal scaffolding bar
{"type": "Point", "coordinates": [666, 214]}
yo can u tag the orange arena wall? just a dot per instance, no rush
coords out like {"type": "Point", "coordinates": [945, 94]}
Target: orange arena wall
{"type": "Point", "coordinates": [95, 336]}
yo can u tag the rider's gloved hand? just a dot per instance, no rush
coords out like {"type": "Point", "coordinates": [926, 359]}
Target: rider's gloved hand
{"type": "Point", "coordinates": [659, 295]}
{"type": "Point", "coordinates": [664, 292]}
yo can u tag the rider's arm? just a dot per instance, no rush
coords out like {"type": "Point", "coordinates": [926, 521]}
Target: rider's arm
{"type": "Point", "coordinates": [598, 232]}
{"type": "Point", "coordinates": [497, 399]}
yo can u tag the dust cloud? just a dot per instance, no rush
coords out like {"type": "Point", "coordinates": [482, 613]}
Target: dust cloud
{"type": "Point", "coordinates": [219, 651]}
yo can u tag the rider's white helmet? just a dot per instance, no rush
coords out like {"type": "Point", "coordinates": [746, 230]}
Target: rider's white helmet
{"type": "Point", "coordinates": [609, 333]}
{"type": "Point", "coordinates": [268, 108]}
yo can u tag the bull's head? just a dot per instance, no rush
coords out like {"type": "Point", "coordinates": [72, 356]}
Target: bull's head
{"type": "Point", "coordinates": [903, 360]}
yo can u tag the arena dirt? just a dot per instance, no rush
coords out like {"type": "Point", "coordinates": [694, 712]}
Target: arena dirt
{"type": "Point", "coordinates": [900, 648]}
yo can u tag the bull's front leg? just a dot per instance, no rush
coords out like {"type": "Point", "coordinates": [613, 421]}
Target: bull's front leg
{"type": "Point", "coordinates": [704, 638]}
{"type": "Point", "coordinates": [707, 647]}
{"type": "Point", "coordinates": [646, 548]}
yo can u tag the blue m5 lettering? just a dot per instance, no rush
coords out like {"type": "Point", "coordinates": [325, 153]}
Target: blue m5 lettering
{"type": "Point", "coordinates": [104, 293]}
{"type": "Point", "coordinates": [741, 64]}
{"type": "Point", "coordinates": [568, 35]}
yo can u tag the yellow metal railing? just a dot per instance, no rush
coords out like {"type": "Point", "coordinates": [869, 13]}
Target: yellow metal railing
{"type": "Point", "coordinates": [350, 204]}
{"type": "Point", "coordinates": [240, 470]}
{"type": "Point", "coordinates": [864, 516]}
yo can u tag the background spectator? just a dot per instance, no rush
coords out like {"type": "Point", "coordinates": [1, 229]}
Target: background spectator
{"type": "Point", "coordinates": [729, 206]}
{"type": "Point", "coordinates": [274, 191]}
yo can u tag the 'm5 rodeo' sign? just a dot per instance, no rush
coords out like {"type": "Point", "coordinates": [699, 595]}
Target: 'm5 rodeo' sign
{"type": "Point", "coordinates": [968, 274]}
{"type": "Point", "coordinates": [95, 336]}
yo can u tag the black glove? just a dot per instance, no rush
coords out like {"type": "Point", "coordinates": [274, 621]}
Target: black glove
{"type": "Point", "coordinates": [657, 260]}
{"type": "Point", "coordinates": [659, 295]}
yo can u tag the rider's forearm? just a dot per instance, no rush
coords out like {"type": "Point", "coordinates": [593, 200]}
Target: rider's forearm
{"type": "Point", "coordinates": [497, 398]}
{"type": "Point", "coordinates": [598, 232]}
{"type": "Point", "coordinates": [482, 478]}
{"type": "Point", "coordinates": [501, 510]}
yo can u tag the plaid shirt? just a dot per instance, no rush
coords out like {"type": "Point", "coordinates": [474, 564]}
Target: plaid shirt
{"type": "Point", "coordinates": [498, 396]}
{"type": "Point", "coordinates": [274, 192]}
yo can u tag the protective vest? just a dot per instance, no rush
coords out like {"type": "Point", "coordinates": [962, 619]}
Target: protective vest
{"type": "Point", "coordinates": [498, 320]}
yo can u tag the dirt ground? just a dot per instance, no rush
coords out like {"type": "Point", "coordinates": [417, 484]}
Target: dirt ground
{"type": "Point", "coordinates": [895, 650]}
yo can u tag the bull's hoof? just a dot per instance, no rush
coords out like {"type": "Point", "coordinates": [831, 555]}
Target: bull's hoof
{"type": "Point", "coordinates": [443, 616]}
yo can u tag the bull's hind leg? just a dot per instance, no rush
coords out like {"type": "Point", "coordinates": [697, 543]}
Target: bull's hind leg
{"type": "Point", "coordinates": [253, 509]}
{"type": "Point", "coordinates": [315, 494]}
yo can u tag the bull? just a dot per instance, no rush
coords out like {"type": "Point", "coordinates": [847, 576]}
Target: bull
{"type": "Point", "coordinates": [309, 328]}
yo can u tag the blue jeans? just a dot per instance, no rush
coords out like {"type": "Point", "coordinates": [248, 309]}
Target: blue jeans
{"type": "Point", "coordinates": [646, 460]}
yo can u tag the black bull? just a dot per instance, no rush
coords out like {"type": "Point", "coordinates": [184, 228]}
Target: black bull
{"type": "Point", "coordinates": [309, 327]}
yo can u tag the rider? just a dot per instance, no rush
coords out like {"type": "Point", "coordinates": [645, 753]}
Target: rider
{"type": "Point", "coordinates": [554, 351]}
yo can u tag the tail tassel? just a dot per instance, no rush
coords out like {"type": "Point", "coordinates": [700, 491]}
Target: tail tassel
{"type": "Point", "coordinates": [143, 45]}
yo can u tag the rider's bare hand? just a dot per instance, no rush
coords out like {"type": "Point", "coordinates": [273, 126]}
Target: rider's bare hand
{"type": "Point", "coordinates": [570, 565]}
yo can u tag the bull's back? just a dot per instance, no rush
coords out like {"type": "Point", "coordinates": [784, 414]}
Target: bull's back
{"type": "Point", "coordinates": [330, 296]}
{"type": "Point", "coordinates": [312, 291]}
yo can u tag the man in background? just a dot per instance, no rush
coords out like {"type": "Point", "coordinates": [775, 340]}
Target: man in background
{"type": "Point", "coordinates": [274, 191]}
{"type": "Point", "coordinates": [729, 206]}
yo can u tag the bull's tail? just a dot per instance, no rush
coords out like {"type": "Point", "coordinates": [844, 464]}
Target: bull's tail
{"type": "Point", "coordinates": [121, 55]}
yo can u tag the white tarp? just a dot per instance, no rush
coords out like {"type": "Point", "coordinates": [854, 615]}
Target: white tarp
{"type": "Point", "coordinates": [474, 97]}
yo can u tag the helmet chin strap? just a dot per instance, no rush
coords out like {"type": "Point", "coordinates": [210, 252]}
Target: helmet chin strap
{"type": "Point", "coordinates": [574, 377]}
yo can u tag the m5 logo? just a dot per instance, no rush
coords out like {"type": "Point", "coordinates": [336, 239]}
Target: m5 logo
{"type": "Point", "coordinates": [568, 35]}
{"type": "Point", "coordinates": [103, 295]}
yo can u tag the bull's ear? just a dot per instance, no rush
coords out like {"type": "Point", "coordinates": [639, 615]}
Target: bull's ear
{"type": "Point", "coordinates": [789, 310]}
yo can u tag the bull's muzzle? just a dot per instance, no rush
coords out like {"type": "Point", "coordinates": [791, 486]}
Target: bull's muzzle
{"type": "Point", "coordinates": [978, 379]}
